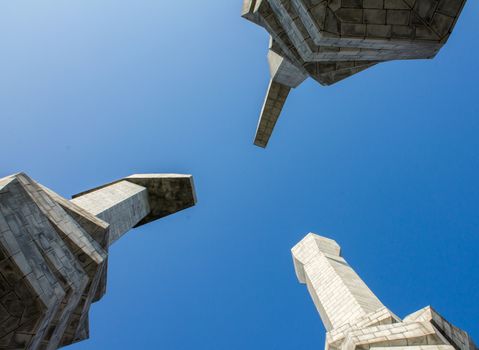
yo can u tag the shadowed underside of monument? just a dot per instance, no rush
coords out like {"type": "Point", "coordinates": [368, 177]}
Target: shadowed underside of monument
{"type": "Point", "coordinates": [54, 252]}
{"type": "Point", "coordinates": [330, 40]}
{"type": "Point", "coordinates": [355, 318]}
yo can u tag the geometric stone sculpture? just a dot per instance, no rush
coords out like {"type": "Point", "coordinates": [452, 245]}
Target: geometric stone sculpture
{"type": "Point", "coordinates": [354, 317]}
{"type": "Point", "coordinates": [54, 252]}
{"type": "Point", "coordinates": [330, 40]}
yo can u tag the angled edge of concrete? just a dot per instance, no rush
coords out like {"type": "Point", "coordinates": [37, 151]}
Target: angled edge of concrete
{"type": "Point", "coordinates": [330, 41]}
{"type": "Point", "coordinates": [167, 193]}
{"type": "Point", "coordinates": [354, 317]}
{"type": "Point", "coordinates": [54, 252]}
{"type": "Point", "coordinates": [273, 105]}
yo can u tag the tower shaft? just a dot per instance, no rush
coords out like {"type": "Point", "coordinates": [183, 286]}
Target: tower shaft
{"type": "Point", "coordinates": [354, 317]}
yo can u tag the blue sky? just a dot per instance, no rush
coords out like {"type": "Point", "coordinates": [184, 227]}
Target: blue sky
{"type": "Point", "coordinates": [385, 162]}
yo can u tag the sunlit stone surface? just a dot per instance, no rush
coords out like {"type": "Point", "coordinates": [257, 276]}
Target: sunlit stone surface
{"type": "Point", "coordinates": [354, 317]}
{"type": "Point", "coordinates": [54, 252]}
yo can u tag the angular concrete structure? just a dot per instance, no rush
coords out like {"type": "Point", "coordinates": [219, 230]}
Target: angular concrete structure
{"type": "Point", "coordinates": [330, 40]}
{"type": "Point", "coordinates": [54, 252]}
{"type": "Point", "coordinates": [354, 317]}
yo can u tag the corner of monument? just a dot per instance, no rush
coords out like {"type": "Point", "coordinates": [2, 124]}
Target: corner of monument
{"type": "Point", "coordinates": [311, 245]}
{"type": "Point", "coordinates": [249, 11]}
{"type": "Point", "coordinates": [167, 193]}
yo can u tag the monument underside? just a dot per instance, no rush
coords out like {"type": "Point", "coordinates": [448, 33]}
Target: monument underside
{"type": "Point", "coordinates": [330, 40]}
{"type": "Point", "coordinates": [54, 252]}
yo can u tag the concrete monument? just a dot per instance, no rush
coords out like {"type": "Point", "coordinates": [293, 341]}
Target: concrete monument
{"type": "Point", "coordinates": [54, 252]}
{"type": "Point", "coordinates": [330, 40]}
{"type": "Point", "coordinates": [354, 318]}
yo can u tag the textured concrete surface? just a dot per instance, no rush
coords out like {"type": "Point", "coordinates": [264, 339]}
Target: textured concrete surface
{"type": "Point", "coordinates": [167, 193]}
{"type": "Point", "coordinates": [330, 40]}
{"type": "Point", "coordinates": [354, 317]}
{"type": "Point", "coordinates": [273, 104]}
{"type": "Point", "coordinates": [122, 204]}
{"type": "Point", "coordinates": [54, 252]}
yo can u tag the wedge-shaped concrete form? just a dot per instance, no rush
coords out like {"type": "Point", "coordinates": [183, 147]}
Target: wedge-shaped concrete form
{"type": "Point", "coordinates": [354, 317]}
{"type": "Point", "coordinates": [54, 252]}
{"type": "Point", "coordinates": [330, 40]}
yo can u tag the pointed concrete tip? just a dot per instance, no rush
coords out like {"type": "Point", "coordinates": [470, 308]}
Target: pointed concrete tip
{"type": "Point", "coordinates": [272, 106]}
{"type": "Point", "coordinates": [260, 143]}
{"type": "Point", "coordinates": [249, 10]}
{"type": "Point", "coordinates": [248, 7]}
{"type": "Point", "coordinates": [167, 193]}
{"type": "Point", "coordinates": [310, 246]}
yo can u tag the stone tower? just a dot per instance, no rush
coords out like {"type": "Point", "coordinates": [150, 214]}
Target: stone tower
{"type": "Point", "coordinates": [330, 40]}
{"type": "Point", "coordinates": [354, 318]}
{"type": "Point", "coordinates": [54, 252]}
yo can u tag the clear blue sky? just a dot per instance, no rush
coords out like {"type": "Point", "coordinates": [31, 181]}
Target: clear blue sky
{"type": "Point", "coordinates": [386, 163]}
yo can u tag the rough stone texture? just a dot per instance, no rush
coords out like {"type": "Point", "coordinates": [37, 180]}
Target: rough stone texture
{"type": "Point", "coordinates": [354, 317]}
{"type": "Point", "coordinates": [330, 40]}
{"type": "Point", "coordinates": [167, 193]}
{"type": "Point", "coordinates": [122, 204]}
{"type": "Point", "coordinates": [54, 252]}
{"type": "Point", "coordinates": [273, 104]}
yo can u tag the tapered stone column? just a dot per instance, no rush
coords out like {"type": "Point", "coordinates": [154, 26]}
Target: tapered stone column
{"type": "Point", "coordinates": [284, 77]}
{"type": "Point", "coordinates": [54, 252]}
{"type": "Point", "coordinates": [333, 40]}
{"type": "Point", "coordinates": [354, 317]}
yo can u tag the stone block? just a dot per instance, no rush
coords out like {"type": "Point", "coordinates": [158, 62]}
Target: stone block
{"type": "Point", "coordinates": [375, 16]}
{"type": "Point", "coordinates": [354, 317]}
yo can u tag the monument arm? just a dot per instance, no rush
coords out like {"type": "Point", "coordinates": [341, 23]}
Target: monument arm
{"type": "Point", "coordinates": [54, 252]}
